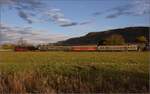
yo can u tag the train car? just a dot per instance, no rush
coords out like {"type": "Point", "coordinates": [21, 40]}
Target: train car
{"type": "Point", "coordinates": [59, 48]}
{"type": "Point", "coordinates": [117, 48]}
{"type": "Point", "coordinates": [25, 48]}
{"type": "Point", "coordinates": [84, 48]}
{"type": "Point", "coordinates": [54, 48]}
{"type": "Point", "coordinates": [42, 47]}
{"type": "Point", "coordinates": [21, 49]}
{"type": "Point", "coordinates": [132, 47]}
{"type": "Point", "coordinates": [147, 47]}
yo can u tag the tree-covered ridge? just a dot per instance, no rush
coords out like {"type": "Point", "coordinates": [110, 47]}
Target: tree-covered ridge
{"type": "Point", "coordinates": [130, 34]}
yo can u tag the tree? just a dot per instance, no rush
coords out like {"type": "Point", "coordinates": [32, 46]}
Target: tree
{"type": "Point", "coordinates": [101, 42]}
{"type": "Point", "coordinates": [115, 39]}
{"type": "Point", "coordinates": [141, 39]}
{"type": "Point", "coordinates": [22, 42]}
{"type": "Point", "coordinates": [7, 46]}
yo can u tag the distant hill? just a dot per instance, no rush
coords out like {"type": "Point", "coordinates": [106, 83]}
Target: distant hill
{"type": "Point", "coordinates": [129, 34]}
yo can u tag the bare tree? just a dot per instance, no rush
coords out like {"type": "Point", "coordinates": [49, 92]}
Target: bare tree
{"type": "Point", "coordinates": [22, 42]}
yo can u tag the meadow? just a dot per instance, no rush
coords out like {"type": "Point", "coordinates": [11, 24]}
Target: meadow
{"type": "Point", "coordinates": [74, 72]}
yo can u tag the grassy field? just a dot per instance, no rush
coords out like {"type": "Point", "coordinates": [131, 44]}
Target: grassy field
{"type": "Point", "coordinates": [74, 72]}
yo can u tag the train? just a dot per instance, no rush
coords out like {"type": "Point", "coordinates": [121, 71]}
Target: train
{"type": "Point", "coordinates": [99, 48]}
{"type": "Point", "coordinates": [80, 48]}
{"type": "Point", "coordinates": [90, 48]}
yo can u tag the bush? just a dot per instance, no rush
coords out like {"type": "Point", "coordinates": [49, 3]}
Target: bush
{"type": "Point", "coordinates": [7, 46]}
{"type": "Point", "coordinates": [141, 39]}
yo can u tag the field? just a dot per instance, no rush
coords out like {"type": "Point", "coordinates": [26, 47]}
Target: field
{"type": "Point", "coordinates": [74, 72]}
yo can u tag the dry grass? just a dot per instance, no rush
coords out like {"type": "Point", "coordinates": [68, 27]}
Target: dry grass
{"type": "Point", "coordinates": [74, 72]}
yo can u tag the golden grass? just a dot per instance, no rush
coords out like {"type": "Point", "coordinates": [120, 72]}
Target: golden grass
{"type": "Point", "coordinates": [74, 72]}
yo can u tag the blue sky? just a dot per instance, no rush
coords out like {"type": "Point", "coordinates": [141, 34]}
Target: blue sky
{"type": "Point", "coordinates": [54, 20]}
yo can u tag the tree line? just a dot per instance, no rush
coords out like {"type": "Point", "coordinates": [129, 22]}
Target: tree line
{"type": "Point", "coordinates": [117, 39]}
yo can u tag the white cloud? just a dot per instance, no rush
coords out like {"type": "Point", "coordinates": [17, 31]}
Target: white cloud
{"type": "Point", "coordinates": [34, 11]}
{"type": "Point", "coordinates": [13, 34]}
{"type": "Point", "coordinates": [134, 8]}
{"type": "Point", "coordinates": [58, 17]}
{"type": "Point", "coordinates": [141, 7]}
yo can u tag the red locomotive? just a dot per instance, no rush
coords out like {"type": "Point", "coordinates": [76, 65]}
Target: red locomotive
{"type": "Point", "coordinates": [17, 48]}
{"type": "Point", "coordinates": [25, 48]}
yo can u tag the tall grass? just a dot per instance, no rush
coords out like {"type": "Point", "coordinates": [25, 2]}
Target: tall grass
{"type": "Point", "coordinates": [74, 72]}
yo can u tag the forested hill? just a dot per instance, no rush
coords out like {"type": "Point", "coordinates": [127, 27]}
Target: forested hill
{"type": "Point", "coordinates": [129, 34]}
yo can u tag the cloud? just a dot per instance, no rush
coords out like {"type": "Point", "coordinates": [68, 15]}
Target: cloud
{"type": "Point", "coordinates": [86, 22]}
{"type": "Point", "coordinates": [65, 22]}
{"type": "Point", "coordinates": [28, 10]}
{"type": "Point", "coordinates": [141, 7]}
{"type": "Point", "coordinates": [34, 11]}
{"type": "Point", "coordinates": [6, 2]}
{"type": "Point", "coordinates": [25, 16]}
{"type": "Point", "coordinates": [117, 14]}
{"type": "Point", "coordinates": [97, 13]}
{"type": "Point", "coordinates": [28, 5]}
{"type": "Point", "coordinates": [13, 34]}
{"type": "Point", "coordinates": [135, 8]}
{"type": "Point", "coordinates": [58, 17]}
{"type": "Point", "coordinates": [29, 17]}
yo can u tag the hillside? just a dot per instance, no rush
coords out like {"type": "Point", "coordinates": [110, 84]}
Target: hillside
{"type": "Point", "coordinates": [129, 34]}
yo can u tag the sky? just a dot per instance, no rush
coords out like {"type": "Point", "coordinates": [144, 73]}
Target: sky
{"type": "Point", "coordinates": [48, 21]}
